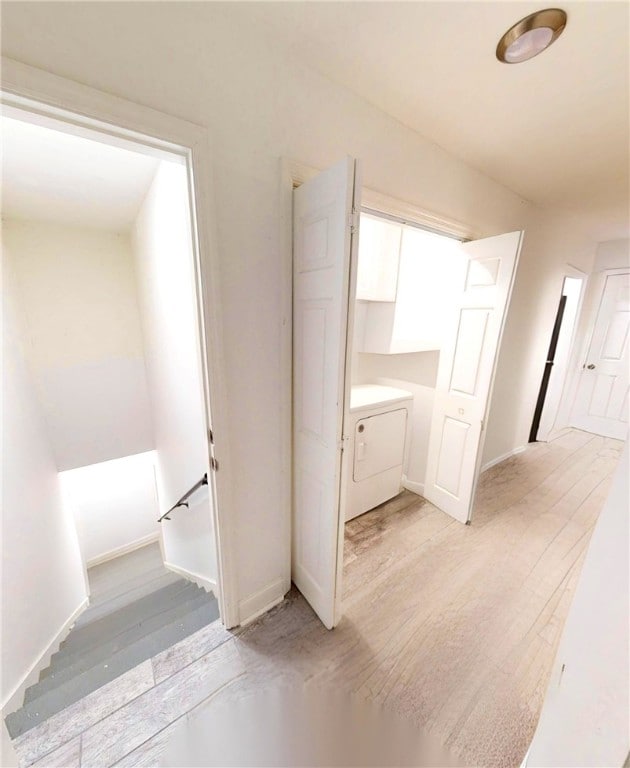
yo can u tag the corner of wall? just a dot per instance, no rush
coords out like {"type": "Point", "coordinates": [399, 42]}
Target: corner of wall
{"type": "Point", "coordinates": [262, 601]}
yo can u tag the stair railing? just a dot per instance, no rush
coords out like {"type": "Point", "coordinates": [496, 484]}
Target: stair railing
{"type": "Point", "coordinates": [183, 501]}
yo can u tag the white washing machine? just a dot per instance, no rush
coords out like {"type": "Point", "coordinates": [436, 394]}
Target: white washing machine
{"type": "Point", "coordinates": [379, 443]}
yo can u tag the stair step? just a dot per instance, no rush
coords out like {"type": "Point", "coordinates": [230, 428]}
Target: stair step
{"type": "Point", "coordinates": [73, 664]}
{"type": "Point", "coordinates": [110, 601]}
{"type": "Point", "coordinates": [52, 701]}
{"type": "Point", "coordinates": [109, 626]}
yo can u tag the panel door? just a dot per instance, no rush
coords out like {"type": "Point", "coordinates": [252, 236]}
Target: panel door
{"type": "Point", "coordinates": [601, 404]}
{"type": "Point", "coordinates": [323, 250]}
{"type": "Point", "coordinates": [466, 372]}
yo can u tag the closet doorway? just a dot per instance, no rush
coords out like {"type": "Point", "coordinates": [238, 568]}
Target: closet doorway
{"type": "Point", "coordinates": [327, 224]}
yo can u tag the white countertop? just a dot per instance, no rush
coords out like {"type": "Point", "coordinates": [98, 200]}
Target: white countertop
{"type": "Point", "coordinates": [364, 396]}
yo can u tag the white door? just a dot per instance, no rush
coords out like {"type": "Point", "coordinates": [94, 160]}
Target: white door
{"type": "Point", "coordinates": [601, 403]}
{"type": "Point", "coordinates": [323, 250]}
{"type": "Point", "coordinates": [466, 372]}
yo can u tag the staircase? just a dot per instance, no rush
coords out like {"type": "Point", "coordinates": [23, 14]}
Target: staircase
{"type": "Point", "coordinates": [102, 647]}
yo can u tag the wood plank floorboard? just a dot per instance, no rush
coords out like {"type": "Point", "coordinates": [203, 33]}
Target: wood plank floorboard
{"type": "Point", "coordinates": [453, 627]}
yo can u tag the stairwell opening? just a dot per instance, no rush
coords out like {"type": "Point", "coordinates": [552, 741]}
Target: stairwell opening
{"type": "Point", "coordinates": [99, 250]}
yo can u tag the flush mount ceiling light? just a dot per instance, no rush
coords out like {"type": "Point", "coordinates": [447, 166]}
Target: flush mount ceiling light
{"type": "Point", "coordinates": [531, 35]}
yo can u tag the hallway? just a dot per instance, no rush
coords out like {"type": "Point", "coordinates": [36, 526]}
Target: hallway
{"type": "Point", "coordinates": [454, 627]}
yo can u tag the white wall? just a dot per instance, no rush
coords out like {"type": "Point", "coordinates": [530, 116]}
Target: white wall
{"type": "Point", "coordinates": [79, 301]}
{"type": "Point", "coordinates": [164, 265]}
{"type": "Point", "coordinates": [613, 254]}
{"type": "Point", "coordinates": [585, 716]}
{"type": "Point", "coordinates": [259, 105]}
{"type": "Point", "coordinates": [42, 575]}
{"type": "Point", "coordinates": [114, 504]}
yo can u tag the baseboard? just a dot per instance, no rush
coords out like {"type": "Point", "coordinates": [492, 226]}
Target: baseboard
{"type": "Point", "coordinates": [137, 544]}
{"type": "Point", "coordinates": [262, 601]}
{"type": "Point", "coordinates": [16, 698]}
{"type": "Point", "coordinates": [412, 486]}
{"type": "Point", "coordinates": [210, 585]}
{"type": "Point", "coordinates": [553, 434]}
{"type": "Point", "coordinates": [505, 456]}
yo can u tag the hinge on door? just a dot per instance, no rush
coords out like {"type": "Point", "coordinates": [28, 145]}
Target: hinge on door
{"type": "Point", "coordinates": [214, 464]}
{"type": "Point", "coordinates": [353, 221]}
{"type": "Point", "coordinates": [210, 436]}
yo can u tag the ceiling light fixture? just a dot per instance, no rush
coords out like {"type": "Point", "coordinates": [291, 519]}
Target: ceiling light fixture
{"type": "Point", "coordinates": [531, 35]}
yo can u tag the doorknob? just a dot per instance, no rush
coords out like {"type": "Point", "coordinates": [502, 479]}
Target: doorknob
{"type": "Point", "coordinates": [591, 366]}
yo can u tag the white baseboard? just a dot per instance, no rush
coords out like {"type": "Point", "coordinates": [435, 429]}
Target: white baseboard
{"type": "Point", "coordinates": [505, 456]}
{"type": "Point", "coordinates": [210, 585]}
{"type": "Point", "coordinates": [412, 486]}
{"type": "Point", "coordinates": [262, 601]}
{"type": "Point", "coordinates": [16, 698]}
{"type": "Point", "coordinates": [137, 544]}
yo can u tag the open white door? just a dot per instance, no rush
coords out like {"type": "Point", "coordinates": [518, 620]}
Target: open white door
{"type": "Point", "coordinates": [324, 217]}
{"type": "Point", "coordinates": [466, 373]}
{"type": "Point", "coordinates": [601, 402]}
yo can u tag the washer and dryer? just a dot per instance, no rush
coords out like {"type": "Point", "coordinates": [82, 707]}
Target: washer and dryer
{"type": "Point", "coordinates": [379, 417]}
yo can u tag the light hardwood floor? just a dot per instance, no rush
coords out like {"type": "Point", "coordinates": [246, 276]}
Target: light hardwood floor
{"type": "Point", "coordinates": [454, 627]}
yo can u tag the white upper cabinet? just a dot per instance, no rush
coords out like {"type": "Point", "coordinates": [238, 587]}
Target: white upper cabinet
{"type": "Point", "coordinates": [428, 271]}
{"type": "Point", "coordinates": [379, 253]}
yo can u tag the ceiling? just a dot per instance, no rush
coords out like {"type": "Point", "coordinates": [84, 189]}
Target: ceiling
{"type": "Point", "coordinates": [52, 176]}
{"type": "Point", "coordinates": [553, 129]}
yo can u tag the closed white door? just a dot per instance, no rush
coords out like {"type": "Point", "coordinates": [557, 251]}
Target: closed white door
{"type": "Point", "coordinates": [323, 250]}
{"type": "Point", "coordinates": [466, 372]}
{"type": "Point", "coordinates": [601, 403]}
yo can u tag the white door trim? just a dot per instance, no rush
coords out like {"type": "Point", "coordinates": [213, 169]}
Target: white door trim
{"type": "Point", "coordinates": [561, 411]}
{"type": "Point", "coordinates": [378, 202]}
{"type": "Point", "coordinates": [82, 110]}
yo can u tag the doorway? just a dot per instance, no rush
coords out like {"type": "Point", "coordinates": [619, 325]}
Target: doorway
{"type": "Point", "coordinates": [328, 456]}
{"type": "Point", "coordinates": [557, 359]}
{"type": "Point", "coordinates": [103, 236]}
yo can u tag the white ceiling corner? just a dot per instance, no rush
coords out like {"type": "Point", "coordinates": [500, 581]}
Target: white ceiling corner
{"type": "Point", "coordinates": [52, 176]}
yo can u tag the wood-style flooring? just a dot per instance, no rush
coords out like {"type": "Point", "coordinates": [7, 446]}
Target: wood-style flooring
{"type": "Point", "coordinates": [453, 627]}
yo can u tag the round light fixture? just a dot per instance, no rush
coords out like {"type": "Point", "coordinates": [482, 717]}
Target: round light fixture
{"type": "Point", "coordinates": [531, 35]}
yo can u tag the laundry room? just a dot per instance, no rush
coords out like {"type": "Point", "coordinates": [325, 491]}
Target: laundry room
{"type": "Point", "coordinates": [407, 281]}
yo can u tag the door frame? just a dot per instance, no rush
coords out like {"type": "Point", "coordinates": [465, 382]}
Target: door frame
{"type": "Point", "coordinates": [292, 175]}
{"type": "Point", "coordinates": [566, 365]}
{"type": "Point", "coordinates": [84, 110]}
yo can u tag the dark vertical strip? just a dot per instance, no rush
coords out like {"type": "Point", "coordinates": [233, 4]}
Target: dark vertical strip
{"type": "Point", "coordinates": [547, 372]}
